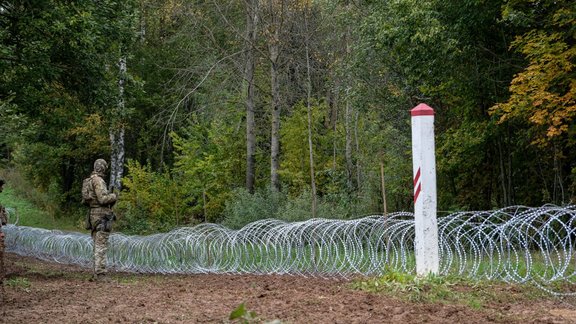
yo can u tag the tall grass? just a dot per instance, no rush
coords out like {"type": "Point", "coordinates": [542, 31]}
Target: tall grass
{"type": "Point", "coordinates": [30, 207]}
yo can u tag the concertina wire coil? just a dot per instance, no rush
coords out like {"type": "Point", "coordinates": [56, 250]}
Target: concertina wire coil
{"type": "Point", "coordinates": [515, 244]}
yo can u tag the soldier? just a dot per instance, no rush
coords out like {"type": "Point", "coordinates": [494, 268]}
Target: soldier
{"type": "Point", "coordinates": [3, 221]}
{"type": "Point", "coordinates": [101, 217]}
{"type": "Point", "coordinates": [3, 214]}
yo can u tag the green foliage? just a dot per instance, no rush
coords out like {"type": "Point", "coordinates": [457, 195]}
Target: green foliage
{"type": "Point", "coordinates": [151, 202]}
{"type": "Point", "coordinates": [208, 161]}
{"type": "Point", "coordinates": [295, 165]}
{"type": "Point", "coordinates": [387, 142]}
{"type": "Point", "coordinates": [381, 142]}
{"type": "Point", "coordinates": [299, 209]}
{"type": "Point", "coordinates": [19, 282]}
{"type": "Point", "coordinates": [58, 80]}
{"type": "Point", "coordinates": [447, 289]}
{"type": "Point", "coordinates": [242, 315]}
{"type": "Point", "coordinates": [370, 62]}
{"type": "Point", "coordinates": [32, 207]}
{"type": "Point", "coordinates": [331, 206]}
{"type": "Point", "coordinates": [544, 93]}
{"type": "Point", "coordinates": [409, 38]}
{"type": "Point", "coordinates": [416, 289]}
{"type": "Point", "coordinates": [461, 151]}
{"type": "Point", "coordinates": [243, 208]}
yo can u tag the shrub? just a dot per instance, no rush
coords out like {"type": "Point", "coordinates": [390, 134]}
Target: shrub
{"type": "Point", "coordinates": [151, 202]}
{"type": "Point", "coordinates": [243, 208]}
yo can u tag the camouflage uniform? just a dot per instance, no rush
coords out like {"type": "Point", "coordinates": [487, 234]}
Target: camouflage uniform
{"type": "Point", "coordinates": [99, 208]}
{"type": "Point", "coordinates": [3, 221]}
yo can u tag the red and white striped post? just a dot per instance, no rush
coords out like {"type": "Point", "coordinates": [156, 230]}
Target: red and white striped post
{"type": "Point", "coordinates": [424, 168]}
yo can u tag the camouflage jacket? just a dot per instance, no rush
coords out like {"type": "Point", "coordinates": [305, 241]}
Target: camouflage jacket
{"type": "Point", "coordinates": [103, 197]}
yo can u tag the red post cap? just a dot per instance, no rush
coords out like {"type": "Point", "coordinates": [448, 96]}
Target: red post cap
{"type": "Point", "coordinates": [422, 110]}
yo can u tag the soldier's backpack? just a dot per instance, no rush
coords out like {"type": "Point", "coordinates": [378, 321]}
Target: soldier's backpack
{"type": "Point", "coordinates": [87, 191]}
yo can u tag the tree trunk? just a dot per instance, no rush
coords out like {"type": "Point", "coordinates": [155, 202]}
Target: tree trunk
{"type": "Point", "coordinates": [117, 134]}
{"type": "Point", "coordinates": [308, 106]}
{"type": "Point", "coordinates": [384, 205]}
{"type": "Point", "coordinates": [334, 122]}
{"type": "Point", "coordinates": [502, 175]}
{"type": "Point", "coordinates": [348, 120]}
{"type": "Point", "coordinates": [558, 196]}
{"type": "Point", "coordinates": [251, 35]}
{"type": "Point", "coordinates": [275, 134]}
{"type": "Point", "coordinates": [348, 153]}
{"type": "Point", "coordinates": [357, 145]}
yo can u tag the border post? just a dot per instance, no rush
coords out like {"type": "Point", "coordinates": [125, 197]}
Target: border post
{"type": "Point", "coordinates": [424, 171]}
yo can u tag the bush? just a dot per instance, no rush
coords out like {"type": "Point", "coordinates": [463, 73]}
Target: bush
{"type": "Point", "coordinates": [244, 208]}
{"type": "Point", "coordinates": [34, 208]}
{"type": "Point", "coordinates": [151, 202]}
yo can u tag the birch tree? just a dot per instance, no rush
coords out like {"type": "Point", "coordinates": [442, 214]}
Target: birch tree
{"type": "Point", "coordinates": [276, 15]}
{"type": "Point", "coordinates": [309, 110]}
{"type": "Point", "coordinates": [122, 37]}
{"type": "Point", "coordinates": [250, 65]}
{"type": "Point", "coordinates": [117, 132]}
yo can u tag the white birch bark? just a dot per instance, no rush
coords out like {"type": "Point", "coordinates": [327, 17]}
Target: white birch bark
{"type": "Point", "coordinates": [308, 105]}
{"type": "Point", "coordinates": [251, 37]}
{"type": "Point", "coordinates": [274, 49]}
{"type": "Point", "coordinates": [117, 134]}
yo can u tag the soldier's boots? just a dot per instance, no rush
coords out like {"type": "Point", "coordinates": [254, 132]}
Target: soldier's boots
{"type": "Point", "coordinates": [101, 277]}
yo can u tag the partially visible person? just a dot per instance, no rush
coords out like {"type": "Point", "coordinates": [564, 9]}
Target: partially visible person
{"type": "Point", "coordinates": [101, 217]}
{"type": "Point", "coordinates": [3, 221]}
{"type": "Point", "coordinates": [3, 214]}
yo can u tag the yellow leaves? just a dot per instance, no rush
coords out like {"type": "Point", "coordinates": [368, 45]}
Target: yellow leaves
{"type": "Point", "coordinates": [300, 5]}
{"type": "Point", "coordinates": [91, 122]}
{"type": "Point", "coordinates": [560, 121]}
{"type": "Point", "coordinates": [91, 135]}
{"type": "Point", "coordinates": [564, 17]}
{"type": "Point", "coordinates": [553, 132]}
{"type": "Point", "coordinates": [539, 117]}
{"type": "Point", "coordinates": [557, 120]}
{"type": "Point", "coordinates": [394, 89]}
{"type": "Point", "coordinates": [544, 94]}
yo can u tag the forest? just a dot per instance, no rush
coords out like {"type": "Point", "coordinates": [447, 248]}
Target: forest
{"type": "Point", "coordinates": [230, 111]}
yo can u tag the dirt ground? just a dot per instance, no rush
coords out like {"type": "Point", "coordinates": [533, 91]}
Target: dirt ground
{"type": "Point", "coordinates": [43, 292]}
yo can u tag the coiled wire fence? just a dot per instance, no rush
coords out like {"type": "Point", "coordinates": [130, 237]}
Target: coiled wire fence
{"type": "Point", "coordinates": [515, 244]}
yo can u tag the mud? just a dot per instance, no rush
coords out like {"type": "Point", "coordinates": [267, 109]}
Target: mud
{"type": "Point", "coordinates": [42, 292]}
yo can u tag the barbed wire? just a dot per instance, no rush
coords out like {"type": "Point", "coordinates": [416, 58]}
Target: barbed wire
{"type": "Point", "coordinates": [515, 244]}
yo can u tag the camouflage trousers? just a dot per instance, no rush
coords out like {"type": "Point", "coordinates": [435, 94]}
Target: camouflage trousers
{"type": "Point", "coordinates": [100, 247]}
{"type": "Point", "coordinates": [100, 239]}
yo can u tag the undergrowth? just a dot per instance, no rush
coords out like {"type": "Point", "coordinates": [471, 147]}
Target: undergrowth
{"type": "Point", "coordinates": [242, 315]}
{"type": "Point", "coordinates": [19, 282]}
{"type": "Point", "coordinates": [30, 207]}
{"type": "Point", "coordinates": [447, 289]}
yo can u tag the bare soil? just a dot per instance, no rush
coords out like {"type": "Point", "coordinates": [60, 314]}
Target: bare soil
{"type": "Point", "coordinates": [41, 292]}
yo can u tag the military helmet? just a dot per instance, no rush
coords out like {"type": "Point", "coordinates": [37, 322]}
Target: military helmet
{"type": "Point", "coordinates": [100, 166]}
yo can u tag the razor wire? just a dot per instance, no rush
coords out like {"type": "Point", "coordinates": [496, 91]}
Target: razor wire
{"type": "Point", "coordinates": [515, 244]}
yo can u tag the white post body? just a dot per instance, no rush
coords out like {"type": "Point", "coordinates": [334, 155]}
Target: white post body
{"type": "Point", "coordinates": [424, 170]}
